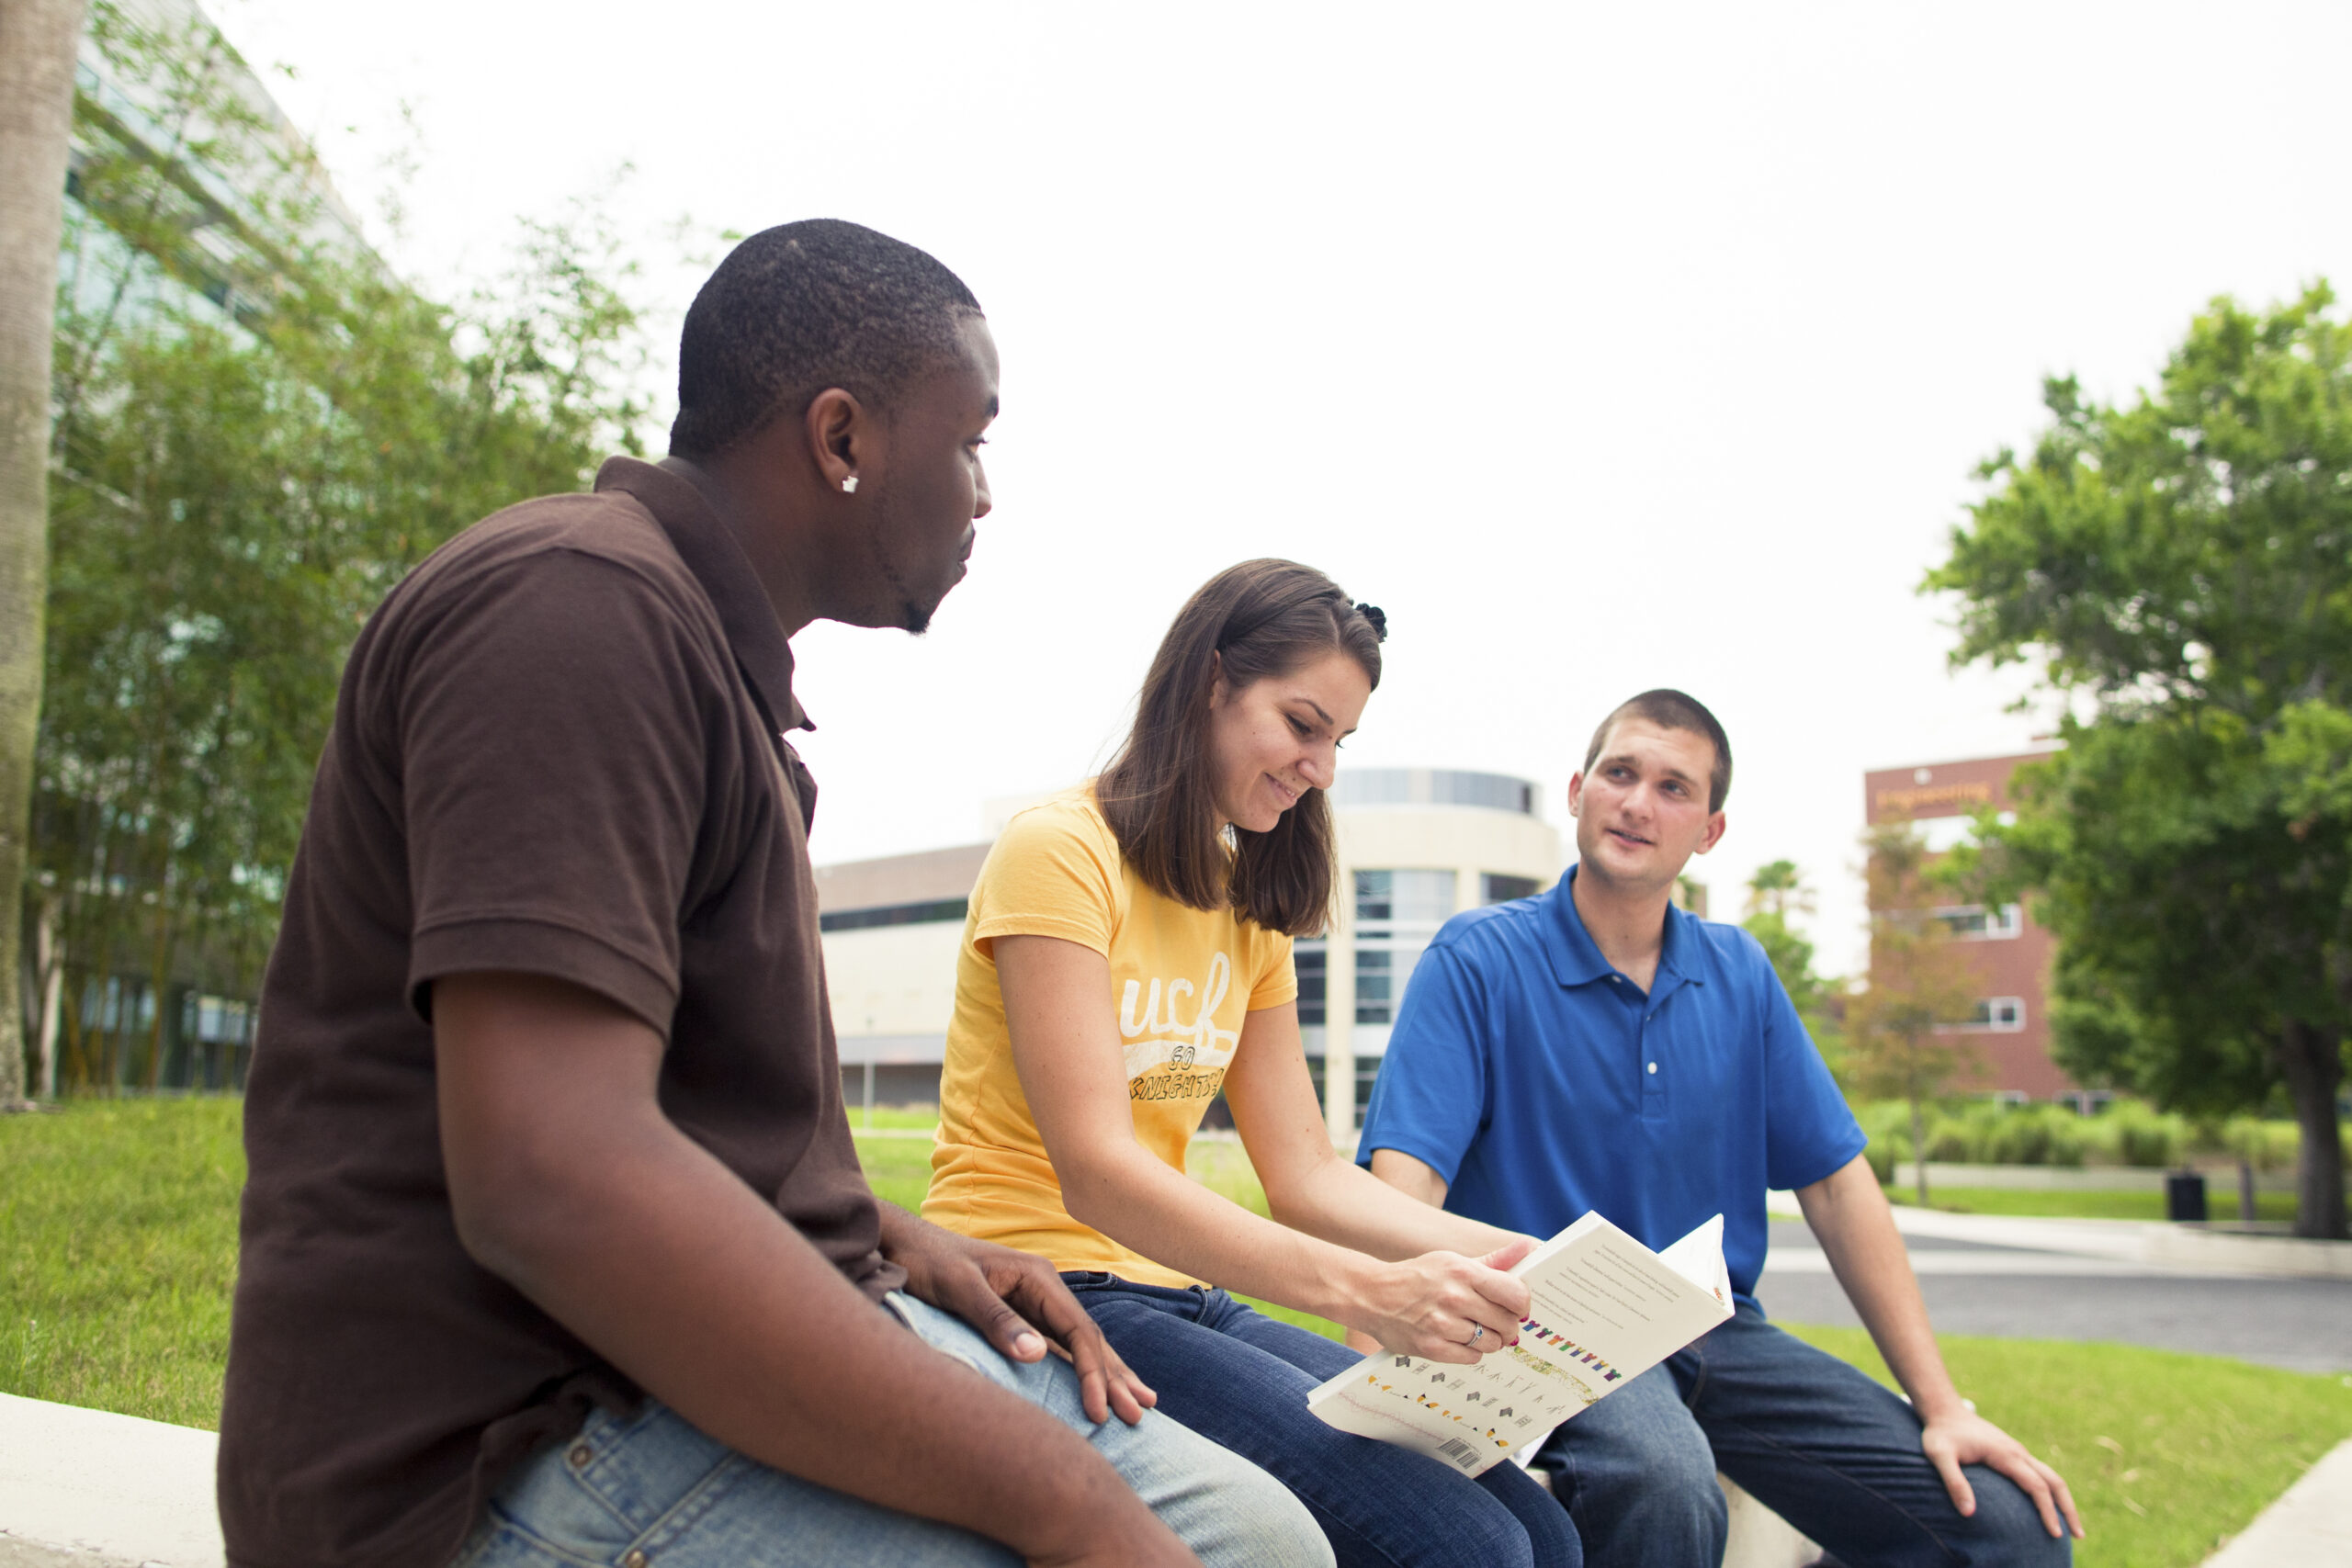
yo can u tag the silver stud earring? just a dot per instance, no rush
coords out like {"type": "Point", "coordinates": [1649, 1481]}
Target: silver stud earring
{"type": "Point", "coordinates": [849, 485]}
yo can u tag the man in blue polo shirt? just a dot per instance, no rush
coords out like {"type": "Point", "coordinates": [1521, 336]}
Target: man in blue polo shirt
{"type": "Point", "coordinates": [1596, 1048]}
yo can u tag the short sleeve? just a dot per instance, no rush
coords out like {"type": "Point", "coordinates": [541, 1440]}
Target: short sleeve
{"type": "Point", "coordinates": [550, 735]}
{"type": "Point", "coordinates": [1430, 1096]}
{"type": "Point", "coordinates": [1277, 979]}
{"type": "Point", "coordinates": [1809, 1131]}
{"type": "Point", "coordinates": [1054, 871]}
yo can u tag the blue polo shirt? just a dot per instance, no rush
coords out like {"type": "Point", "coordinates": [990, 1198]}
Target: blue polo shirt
{"type": "Point", "coordinates": [1541, 1083]}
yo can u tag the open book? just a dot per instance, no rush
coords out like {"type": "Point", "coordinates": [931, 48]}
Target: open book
{"type": "Point", "coordinates": [1603, 1308]}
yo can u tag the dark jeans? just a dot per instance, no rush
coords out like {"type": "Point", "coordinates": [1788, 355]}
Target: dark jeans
{"type": "Point", "coordinates": [1240, 1378]}
{"type": "Point", "coordinates": [1818, 1443]}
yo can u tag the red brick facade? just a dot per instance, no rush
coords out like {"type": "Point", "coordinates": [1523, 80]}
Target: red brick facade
{"type": "Point", "coordinates": [2011, 954]}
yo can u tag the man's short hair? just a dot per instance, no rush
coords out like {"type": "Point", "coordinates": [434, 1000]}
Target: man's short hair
{"type": "Point", "coordinates": [806, 305]}
{"type": "Point", "coordinates": [1670, 709]}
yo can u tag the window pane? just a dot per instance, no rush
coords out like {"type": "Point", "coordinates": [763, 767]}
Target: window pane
{"type": "Point", "coordinates": [1408, 897]}
{"type": "Point", "coordinates": [1313, 977]}
{"type": "Point", "coordinates": [1496, 888]}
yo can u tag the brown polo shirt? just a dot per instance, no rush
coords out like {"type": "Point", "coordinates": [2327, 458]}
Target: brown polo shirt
{"type": "Point", "coordinates": [559, 749]}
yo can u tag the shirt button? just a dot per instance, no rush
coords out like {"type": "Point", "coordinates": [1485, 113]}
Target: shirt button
{"type": "Point", "coordinates": [1653, 1067]}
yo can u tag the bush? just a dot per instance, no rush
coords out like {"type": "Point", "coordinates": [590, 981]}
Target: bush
{"type": "Point", "coordinates": [2127, 1132]}
{"type": "Point", "coordinates": [2033, 1134]}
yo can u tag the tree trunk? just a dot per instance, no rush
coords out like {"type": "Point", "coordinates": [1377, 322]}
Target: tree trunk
{"type": "Point", "coordinates": [48, 966]}
{"type": "Point", "coordinates": [1919, 1152]}
{"type": "Point", "coordinates": [2311, 1061]}
{"type": "Point", "coordinates": [38, 42]}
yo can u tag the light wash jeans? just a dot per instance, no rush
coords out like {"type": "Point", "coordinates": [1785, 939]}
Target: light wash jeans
{"type": "Point", "coordinates": [650, 1489]}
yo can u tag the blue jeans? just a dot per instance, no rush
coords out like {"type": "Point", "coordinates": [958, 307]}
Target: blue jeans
{"type": "Point", "coordinates": [1818, 1443]}
{"type": "Point", "coordinates": [1241, 1378]}
{"type": "Point", "coordinates": [650, 1487]}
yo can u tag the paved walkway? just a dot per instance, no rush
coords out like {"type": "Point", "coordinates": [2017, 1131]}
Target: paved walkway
{"type": "Point", "coordinates": [2092, 1280]}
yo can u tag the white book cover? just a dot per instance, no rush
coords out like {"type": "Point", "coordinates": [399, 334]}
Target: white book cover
{"type": "Point", "coordinates": [1603, 1308]}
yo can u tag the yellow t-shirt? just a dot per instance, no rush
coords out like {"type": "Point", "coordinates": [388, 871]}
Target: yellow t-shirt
{"type": "Point", "coordinates": [1183, 981]}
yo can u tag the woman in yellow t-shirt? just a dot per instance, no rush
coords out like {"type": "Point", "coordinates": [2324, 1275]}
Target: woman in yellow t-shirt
{"type": "Point", "coordinates": [1126, 957]}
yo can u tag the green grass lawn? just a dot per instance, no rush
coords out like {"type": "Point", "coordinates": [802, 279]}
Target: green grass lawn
{"type": "Point", "coordinates": [118, 1248]}
{"type": "Point", "coordinates": [2044, 1204]}
{"type": "Point", "coordinates": [2166, 1454]}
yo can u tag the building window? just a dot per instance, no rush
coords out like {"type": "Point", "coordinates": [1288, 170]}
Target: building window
{"type": "Point", "coordinates": [935, 909]}
{"type": "Point", "coordinates": [1403, 897]}
{"type": "Point", "coordinates": [1375, 1003]}
{"type": "Point", "coordinates": [1974, 923]}
{"type": "Point", "coordinates": [1396, 913]}
{"type": "Point", "coordinates": [1996, 1015]}
{"type": "Point", "coordinates": [1496, 888]}
{"type": "Point", "coordinates": [1312, 960]}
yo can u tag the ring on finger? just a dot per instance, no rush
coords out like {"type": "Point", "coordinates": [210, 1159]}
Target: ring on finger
{"type": "Point", "coordinates": [1477, 1332]}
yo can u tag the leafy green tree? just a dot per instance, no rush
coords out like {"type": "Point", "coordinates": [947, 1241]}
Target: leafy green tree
{"type": "Point", "coordinates": [259, 430]}
{"type": "Point", "coordinates": [2181, 569]}
{"type": "Point", "coordinates": [1776, 893]}
{"type": "Point", "coordinates": [1899, 1039]}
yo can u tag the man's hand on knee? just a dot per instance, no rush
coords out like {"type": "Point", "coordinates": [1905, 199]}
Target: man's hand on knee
{"type": "Point", "coordinates": [1965, 1437]}
{"type": "Point", "coordinates": [1018, 1302]}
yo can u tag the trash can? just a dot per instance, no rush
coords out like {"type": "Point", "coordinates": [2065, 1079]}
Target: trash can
{"type": "Point", "coordinates": [2185, 1195]}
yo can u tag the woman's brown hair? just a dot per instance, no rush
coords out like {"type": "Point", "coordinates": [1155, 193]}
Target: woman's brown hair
{"type": "Point", "coordinates": [1260, 618]}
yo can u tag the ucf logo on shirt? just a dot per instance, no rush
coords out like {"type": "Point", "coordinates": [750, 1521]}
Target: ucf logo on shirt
{"type": "Point", "coordinates": [1169, 1057]}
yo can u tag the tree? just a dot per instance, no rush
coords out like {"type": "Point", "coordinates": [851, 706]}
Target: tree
{"type": "Point", "coordinates": [2181, 568]}
{"type": "Point", "coordinates": [1901, 1039]}
{"type": "Point", "coordinates": [38, 41]}
{"type": "Point", "coordinates": [259, 430]}
{"type": "Point", "coordinates": [1774, 893]}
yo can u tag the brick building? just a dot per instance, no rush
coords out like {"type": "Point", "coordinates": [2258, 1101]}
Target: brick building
{"type": "Point", "coordinates": [2009, 953]}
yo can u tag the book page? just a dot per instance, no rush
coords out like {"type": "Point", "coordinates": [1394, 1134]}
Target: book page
{"type": "Point", "coordinates": [1603, 1308]}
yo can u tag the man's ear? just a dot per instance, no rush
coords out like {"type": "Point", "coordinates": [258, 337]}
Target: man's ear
{"type": "Point", "coordinates": [1715, 826]}
{"type": "Point", "coordinates": [838, 432]}
{"type": "Point", "coordinates": [1576, 791]}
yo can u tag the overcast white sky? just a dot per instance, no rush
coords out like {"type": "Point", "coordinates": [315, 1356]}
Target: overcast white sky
{"type": "Point", "coordinates": [1605, 348]}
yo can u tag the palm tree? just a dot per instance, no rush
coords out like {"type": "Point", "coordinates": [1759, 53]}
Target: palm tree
{"type": "Point", "coordinates": [38, 42]}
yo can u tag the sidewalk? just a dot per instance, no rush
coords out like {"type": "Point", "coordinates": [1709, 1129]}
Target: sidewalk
{"type": "Point", "coordinates": [2151, 1246]}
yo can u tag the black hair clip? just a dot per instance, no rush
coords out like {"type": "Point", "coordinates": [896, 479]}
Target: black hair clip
{"type": "Point", "coordinates": [1378, 619]}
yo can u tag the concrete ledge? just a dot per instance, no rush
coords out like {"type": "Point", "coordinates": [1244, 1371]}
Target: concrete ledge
{"type": "Point", "coordinates": [91, 1489]}
{"type": "Point", "coordinates": [1761, 1538]}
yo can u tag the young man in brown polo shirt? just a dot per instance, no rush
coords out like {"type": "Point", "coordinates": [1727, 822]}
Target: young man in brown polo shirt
{"type": "Point", "coordinates": [555, 1248]}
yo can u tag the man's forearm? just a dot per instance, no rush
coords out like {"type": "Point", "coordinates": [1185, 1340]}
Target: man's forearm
{"type": "Point", "coordinates": [1850, 1217]}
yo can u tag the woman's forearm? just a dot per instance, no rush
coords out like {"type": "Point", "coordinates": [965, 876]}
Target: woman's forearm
{"type": "Point", "coordinates": [1146, 1207]}
{"type": "Point", "coordinates": [1347, 1205]}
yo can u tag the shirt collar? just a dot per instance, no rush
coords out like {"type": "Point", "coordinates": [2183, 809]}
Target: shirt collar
{"type": "Point", "coordinates": [1576, 957]}
{"type": "Point", "coordinates": [712, 553]}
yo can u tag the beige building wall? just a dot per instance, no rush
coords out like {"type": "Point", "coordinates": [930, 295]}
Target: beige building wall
{"type": "Point", "coordinates": [893, 988]}
{"type": "Point", "coordinates": [895, 924]}
{"type": "Point", "coordinates": [1472, 843]}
